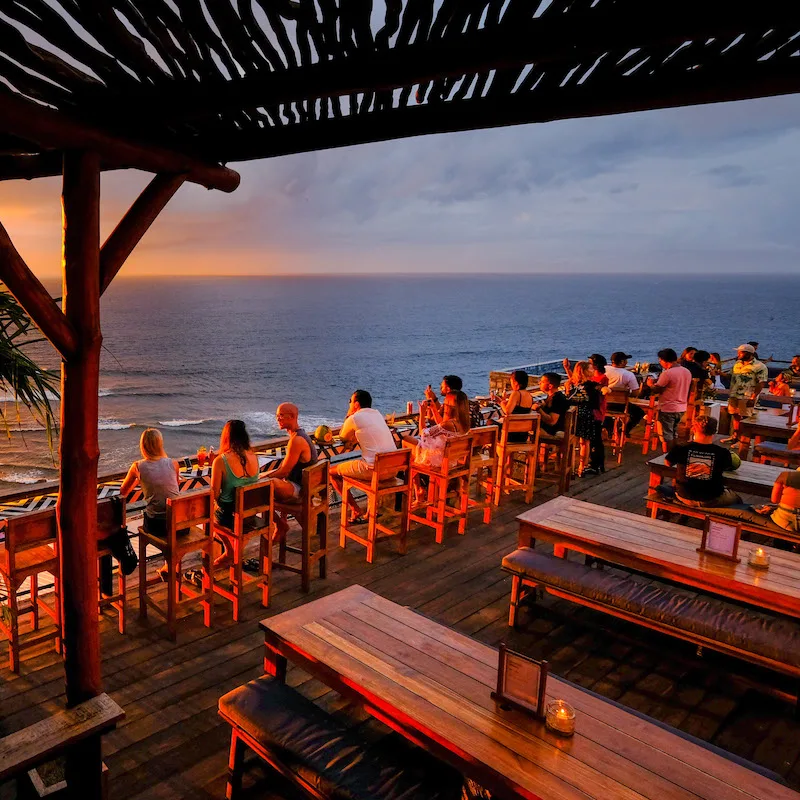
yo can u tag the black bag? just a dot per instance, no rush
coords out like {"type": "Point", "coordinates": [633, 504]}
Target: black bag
{"type": "Point", "coordinates": [120, 545]}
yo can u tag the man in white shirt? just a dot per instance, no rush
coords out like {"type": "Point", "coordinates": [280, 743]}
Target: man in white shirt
{"type": "Point", "coordinates": [621, 378]}
{"type": "Point", "coordinates": [365, 426]}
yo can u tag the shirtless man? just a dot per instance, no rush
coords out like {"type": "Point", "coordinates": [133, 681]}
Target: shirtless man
{"type": "Point", "coordinates": [301, 452]}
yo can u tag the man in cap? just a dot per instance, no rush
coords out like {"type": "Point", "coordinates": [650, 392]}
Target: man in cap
{"type": "Point", "coordinates": [620, 378]}
{"type": "Point", "coordinates": [748, 377]}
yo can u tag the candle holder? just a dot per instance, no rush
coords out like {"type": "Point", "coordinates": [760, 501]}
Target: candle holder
{"type": "Point", "coordinates": [759, 558]}
{"type": "Point", "coordinates": [560, 718]}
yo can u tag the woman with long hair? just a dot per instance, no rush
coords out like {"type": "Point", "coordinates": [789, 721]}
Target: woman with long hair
{"type": "Point", "coordinates": [158, 475]}
{"type": "Point", "coordinates": [519, 401]}
{"type": "Point", "coordinates": [597, 450]}
{"type": "Point", "coordinates": [585, 396]}
{"type": "Point", "coordinates": [235, 465]}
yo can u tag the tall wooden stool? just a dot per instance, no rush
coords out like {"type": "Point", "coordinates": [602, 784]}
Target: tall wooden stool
{"type": "Point", "coordinates": [619, 416]}
{"type": "Point", "coordinates": [384, 483]}
{"type": "Point", "coordinates": [311, 513]}
{"type": "Point", "coordinates": [455, 469]}
{"type": "Point", "coordinates": [649, 440]}
{"type": "Point", "coordinates": [30, 548]}
{"type": "Point", "coordinates": [110, 520]}
{"type": "Point", "coordinates": [563, 447]}
{"type": "Point", "coordinates": [190, 512]}
{"type": "Point", "coordinates": [252, 516]}
{"type": "Point", "coordinates": [483, 469]}
{"type": "Point", "coordinates": [510, 454]}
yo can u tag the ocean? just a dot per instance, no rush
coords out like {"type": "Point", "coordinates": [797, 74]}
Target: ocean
{"type": "Point", "coordinates": [187, 354]}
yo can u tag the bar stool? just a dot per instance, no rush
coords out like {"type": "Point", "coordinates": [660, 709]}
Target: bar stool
{"type": "Point", "coordinates": [455, 468]}
{"type": "Point", "coordinates": [619, 416]}
{"type": "Point", "coordinates": [110, 520]}
{"type": "Point", "coordinates": [483, 468]}
{"type": "Point", "coordinates": [30, 548]}
{"type": "Point", "coordinates": [511, 454]}
{"type": "Point", "coordinates": [383, 484]}
{"type": "Point", "coordinates": [190, 512]}
{"type": "Point", "coordinates": [252, 517]}
{"type": "Point", "coordinates": [564, 449]}
{"type": "Point", "coordinates": [311, 513]}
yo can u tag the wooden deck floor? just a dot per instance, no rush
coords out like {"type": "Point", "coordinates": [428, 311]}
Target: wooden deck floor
{"type": "Point", "coordinates": [172, 744]}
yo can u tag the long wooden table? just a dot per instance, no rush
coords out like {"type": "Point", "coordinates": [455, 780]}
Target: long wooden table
{"type": "Point", "coordinates": [433, 685]}
{"type": "Point", "coordinates": [750, 478]}
{"type": "Point", "coordinates": [763, 425]}
{"type": "Point", "coordinates": [662, 549]}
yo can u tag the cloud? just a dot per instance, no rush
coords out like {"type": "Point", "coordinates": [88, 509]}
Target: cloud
{"type": "Point", "coordinates": [711, 187]}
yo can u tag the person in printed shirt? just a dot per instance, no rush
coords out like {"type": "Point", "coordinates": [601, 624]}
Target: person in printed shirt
{"type": "Point", "coordinates": [748, 377]}
{"type": "Point", "coordinates": [701, 465]}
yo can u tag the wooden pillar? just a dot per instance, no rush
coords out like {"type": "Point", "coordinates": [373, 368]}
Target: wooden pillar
{"type": "Point", "coordinates": [79, 452]}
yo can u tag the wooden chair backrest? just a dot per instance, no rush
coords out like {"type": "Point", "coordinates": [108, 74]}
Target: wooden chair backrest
{"type": "Point", "coordinates": [388, 464]}
{"type": "Point", "coordinates": [188, 510]}
{"type": "Point", "coordinates": [518, 423]}
{"type": "Point", "coordinates": [30, 530]}
{"type": "Point", "coordinates": [315, 484]}
{"type": "Point", "coordinates": [695, 395]}
{"type": "Point", "coordinates": [253, 499]}
{"type": "Point", "coordinates": [110, 516]}
{"type": "Point", "coordinates": [457, 453]}
{"type": "Point", "coordinates": [619, 397]}
{"type": "Point", "coordinates": [485, 436]}
{"type": "Point", "coordinates": [794, 415]}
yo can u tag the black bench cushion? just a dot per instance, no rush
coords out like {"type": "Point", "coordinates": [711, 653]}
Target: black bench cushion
{"type": "Point", "coordinates": [326, 755]}
{"type": "Point", "coordinates": [714, 619]}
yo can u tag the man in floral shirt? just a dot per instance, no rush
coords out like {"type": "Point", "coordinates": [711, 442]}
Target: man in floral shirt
{"type": "Point", "coordinates": [748, 377]}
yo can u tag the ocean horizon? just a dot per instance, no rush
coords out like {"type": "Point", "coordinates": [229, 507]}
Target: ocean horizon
{"type": "Point", "coordinates": [187, 353]}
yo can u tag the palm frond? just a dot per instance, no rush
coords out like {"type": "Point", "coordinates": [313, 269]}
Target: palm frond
{"type": "Point", "coordinates": [23, 381]}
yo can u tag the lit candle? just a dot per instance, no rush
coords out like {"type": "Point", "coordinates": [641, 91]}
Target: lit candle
{"type": "Point", "coordinates": [759, 557]}
{"type": "Point", "coordinates": [560, 718]}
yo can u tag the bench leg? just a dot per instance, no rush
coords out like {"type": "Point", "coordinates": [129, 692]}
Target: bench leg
{"type": "Point", "coordinates": [322, 534]}
{"type": "Point", "coordinates": [513, 608]}
{"type": "Point", "coordinates": [235, 767]}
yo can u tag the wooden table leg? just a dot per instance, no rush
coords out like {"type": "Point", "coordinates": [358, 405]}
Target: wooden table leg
{"type": "Point", "coordinates": [274, 663]}
{"type": "Point", "coordinates": [655, 480]}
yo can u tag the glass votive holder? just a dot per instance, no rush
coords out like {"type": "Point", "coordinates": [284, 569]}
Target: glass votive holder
{"type": "Point", "coordinates": [759, 558]}
{"type": "Point", "coordinates": [560, 717]}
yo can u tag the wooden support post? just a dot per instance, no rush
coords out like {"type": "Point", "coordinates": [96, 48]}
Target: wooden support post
{"type": "Point", "coordinates": [79, 451]}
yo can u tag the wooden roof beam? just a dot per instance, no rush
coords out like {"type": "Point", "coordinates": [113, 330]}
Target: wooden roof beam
{"type": "Point", "coordinates": [54, 130]}
{"type": "Point", "coordinates": [619, 95]}
{"type": "Point", "coordinates": [35, 299]}
{"type": "Point", "coordinates": [582, 35]}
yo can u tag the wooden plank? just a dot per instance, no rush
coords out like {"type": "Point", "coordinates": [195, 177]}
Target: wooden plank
{"type": "Point", "coordinates": [33, 745]}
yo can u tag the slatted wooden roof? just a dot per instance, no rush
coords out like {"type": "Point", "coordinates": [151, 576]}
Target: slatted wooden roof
{"type": "Point", "coordinates": [231, 80]}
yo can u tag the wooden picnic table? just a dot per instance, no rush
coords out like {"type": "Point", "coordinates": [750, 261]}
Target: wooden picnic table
{"type": "Point", "coordinates": [433, 685]}
{"type": "Point", "coordinates": [750, 478]}
{"type": "Point", "coordinates": [664, 550]}
{"type": "Point", "coordinates": [764, 425]}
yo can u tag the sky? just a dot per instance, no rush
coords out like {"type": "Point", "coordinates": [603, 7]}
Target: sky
{"type": "Point", "coordinates": [711, 188]}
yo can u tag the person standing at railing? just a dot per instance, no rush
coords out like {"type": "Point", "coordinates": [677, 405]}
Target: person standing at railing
{"type": "Point", "coordinates": [158, 475]}
{"type": "Point", "coordinates": [748, 377]}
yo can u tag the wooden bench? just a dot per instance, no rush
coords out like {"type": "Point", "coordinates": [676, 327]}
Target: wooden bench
{"type": "Point", "coordinates": [768, 640]}
{"type": "Point", "coordinates": [45, 740]}
{"type": "Point", "coordinates": [658, 502]}
{"type": "Point", "coordinates": [318, 754]}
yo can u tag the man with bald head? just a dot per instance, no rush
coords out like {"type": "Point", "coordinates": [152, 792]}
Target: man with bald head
{"type": "Point", "coordinates": [301, 452]}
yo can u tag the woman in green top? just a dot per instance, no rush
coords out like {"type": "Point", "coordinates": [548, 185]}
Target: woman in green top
{"type": "Point", "coordinates": [236, 465]}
